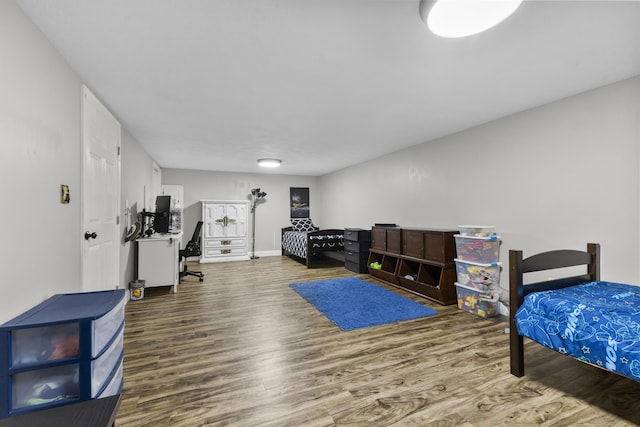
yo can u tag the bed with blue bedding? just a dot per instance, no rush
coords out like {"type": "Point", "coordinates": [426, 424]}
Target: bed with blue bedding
{"type": "Point", "coordinates": [579, 315]}
{"type": "Point", "coordinates": [596, 322]}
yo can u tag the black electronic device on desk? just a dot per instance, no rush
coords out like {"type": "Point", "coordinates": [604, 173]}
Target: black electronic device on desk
{"type": "Point", "coordinates": [158, 221]}
{"type": "Point", "coordinates": [162, 214]}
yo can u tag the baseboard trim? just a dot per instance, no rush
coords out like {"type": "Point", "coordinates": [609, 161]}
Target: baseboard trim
{"type": "Point", "coordinates": [268, 253]}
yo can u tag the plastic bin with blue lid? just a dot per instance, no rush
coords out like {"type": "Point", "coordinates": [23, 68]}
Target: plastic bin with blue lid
{"type": "Point", "coordinates": [478, 275]}
{"type": "Point", "coordinates": [482, 304]}
{"type": "Point", "coordinates": [477, 230]}
{"type": "Point", "coordinates": [481, 249]}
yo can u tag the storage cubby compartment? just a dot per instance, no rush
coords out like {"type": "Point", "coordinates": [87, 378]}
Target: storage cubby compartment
{"type": "Point", "coordinates": [389, 264]}
{"type": "Point", "coordinates": [409, 270]}
{"type": "Point", "coordinates": [430, 274]}
{"type": "Point", "coordinates": [375, 259]}
{"type": "Point", "coordinates": [383, 266]}
{"type": "Point", "coordinates": [428, 280]}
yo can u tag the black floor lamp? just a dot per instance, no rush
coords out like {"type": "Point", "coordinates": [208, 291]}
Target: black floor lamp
{"type": "Point", "coordinates": [256, 196]}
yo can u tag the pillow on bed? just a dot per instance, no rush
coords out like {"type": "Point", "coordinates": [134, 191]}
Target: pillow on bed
{"type": "Point", "coordinates": [303, 224]}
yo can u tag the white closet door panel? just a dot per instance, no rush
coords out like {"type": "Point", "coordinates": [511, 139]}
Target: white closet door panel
{"type": "Point", "coordinates": [225, 230]}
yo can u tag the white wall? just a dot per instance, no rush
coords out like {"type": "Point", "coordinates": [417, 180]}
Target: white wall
{"type": "Point", "coordinates": [554, 177]}
{"type": "Point", "coordinates": [136, 184]}
{"type": "Point", "coordinates": [271, 214]}
{"type": "Point", "coordinates": [40, 149]}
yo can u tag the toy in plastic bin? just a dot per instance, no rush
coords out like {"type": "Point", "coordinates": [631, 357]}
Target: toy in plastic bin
{"type": "Point", "coordinates": [477, 230]}
{"type": "Point", "coordinates": [477, 275]}
{"type": "Point", "coordinates": [484, 250]}
{"type": "Point", "coordinates": [479, 303]}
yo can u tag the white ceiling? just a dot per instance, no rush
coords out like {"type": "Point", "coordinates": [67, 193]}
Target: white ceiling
{"type": "Point", "coordinates": [324, 84]}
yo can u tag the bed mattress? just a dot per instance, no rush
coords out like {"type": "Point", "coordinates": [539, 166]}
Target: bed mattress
{"type": "Point", "coordinates": [597, 322]}
{"type": "Point", "coordinates": [295, 242]}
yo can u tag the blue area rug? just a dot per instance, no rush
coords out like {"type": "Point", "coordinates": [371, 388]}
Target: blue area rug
{"type": "Point", "coordinates": [352, 303]}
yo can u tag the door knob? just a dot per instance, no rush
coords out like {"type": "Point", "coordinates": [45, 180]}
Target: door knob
{"type": "Point", "coordinates": [88, 235]}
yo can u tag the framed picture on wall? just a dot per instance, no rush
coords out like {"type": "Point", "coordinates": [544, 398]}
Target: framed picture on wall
{"type": "Point", "coordinates": [299, 202]}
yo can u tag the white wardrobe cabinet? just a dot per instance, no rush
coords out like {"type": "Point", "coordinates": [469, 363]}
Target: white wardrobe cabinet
{"type": "Point", "coordinates": [224, 232]}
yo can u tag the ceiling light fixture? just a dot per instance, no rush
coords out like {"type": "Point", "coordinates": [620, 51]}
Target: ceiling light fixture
{"type": "Point", "coordinates": [269, 163]}
{"type": "Point", "coordinates": [461, 18]}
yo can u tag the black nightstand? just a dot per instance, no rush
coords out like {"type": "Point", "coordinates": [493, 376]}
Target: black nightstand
{"type": "Point", "coordinates": [356, 249]}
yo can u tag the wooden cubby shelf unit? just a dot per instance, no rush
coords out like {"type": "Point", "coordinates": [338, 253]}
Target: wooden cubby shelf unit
{"type": "Point", "coordinates": [388, 266]}
{"type": "Point", "coordinates": [419, 260]}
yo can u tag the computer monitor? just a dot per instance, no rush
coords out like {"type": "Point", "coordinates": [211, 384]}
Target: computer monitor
{"type": "Point", "coordinates": [161, 217]}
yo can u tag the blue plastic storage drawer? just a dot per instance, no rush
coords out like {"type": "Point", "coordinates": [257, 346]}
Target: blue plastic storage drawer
{"type": "Point", "coordinates": [66, 349]}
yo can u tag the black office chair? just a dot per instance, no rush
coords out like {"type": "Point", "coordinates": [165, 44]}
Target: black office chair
{"type": "Point", "coordinates": [192, 249]}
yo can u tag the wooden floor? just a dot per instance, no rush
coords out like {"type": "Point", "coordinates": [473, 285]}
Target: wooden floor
{"type": "Point", "coordinates": [243, 349]}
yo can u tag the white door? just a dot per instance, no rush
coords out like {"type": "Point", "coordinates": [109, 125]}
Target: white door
{"type": "Point", "coordinates": [176, 192]}
{"type": "Point", "coordinates": [100, 195]}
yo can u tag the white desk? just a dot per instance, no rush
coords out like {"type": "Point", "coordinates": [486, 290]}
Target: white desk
{"type": "Point", "coordinates": [158, 260]}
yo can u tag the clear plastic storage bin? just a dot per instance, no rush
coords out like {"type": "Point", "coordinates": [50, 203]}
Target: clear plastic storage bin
{"type": "Point", "coordinates": [477, 230]}
{"type": "Point", "coordinates": [477, 275]}
{"type": "Point", "coordinates": [479, 303]}
{"type": "Point", "coordinates": [484, 250]}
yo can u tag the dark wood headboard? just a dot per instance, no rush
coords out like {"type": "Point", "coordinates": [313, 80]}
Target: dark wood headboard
{"type": "Point", "coordinates": [518, 266]}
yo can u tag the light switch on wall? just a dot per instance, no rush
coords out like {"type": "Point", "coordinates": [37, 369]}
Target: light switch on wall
{"type": "Point", "coordinates": [64, 194]}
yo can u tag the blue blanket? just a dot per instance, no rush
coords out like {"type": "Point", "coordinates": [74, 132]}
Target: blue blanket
{"type": "Point", "coordinates": [597, 322]}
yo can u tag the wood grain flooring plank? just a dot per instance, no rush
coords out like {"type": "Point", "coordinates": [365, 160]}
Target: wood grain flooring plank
{"type": "Point", "coordinates": [243, 349]}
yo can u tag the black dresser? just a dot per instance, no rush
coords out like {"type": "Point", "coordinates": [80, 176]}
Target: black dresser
{"type": "Point", "coordinates": [356, 249]}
